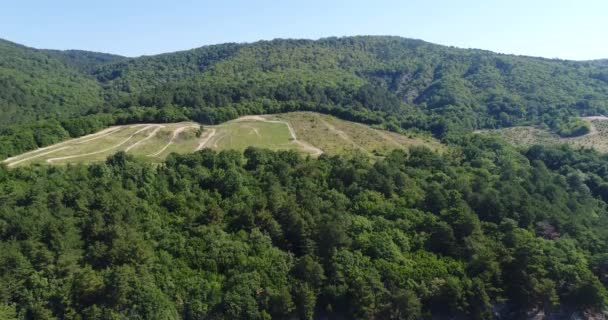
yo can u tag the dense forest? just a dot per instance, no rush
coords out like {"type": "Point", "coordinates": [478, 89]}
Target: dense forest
{"type": "Point", "coordinates": [478, 230]}
{"type": "Point", "coordinates": [392, 82]}
{"type": "Point", "coordinates": [35, 86]}
{"type": "Point", "coordinates": [482, 231]}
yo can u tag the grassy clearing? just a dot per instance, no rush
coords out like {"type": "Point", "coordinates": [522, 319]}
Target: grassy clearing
{"type": "Point", "coordinates": [305, 132]}
{"type": "Point", "coordinates": [528, 136]}
{"type": "Point", "coordinates": [240, 134]}
{"type": "Point", "coordinates": [140, 140]}
{"type": "Point", "coordinates": [336, 136]}
{"type": "Point", "coordinates": [154, 142]}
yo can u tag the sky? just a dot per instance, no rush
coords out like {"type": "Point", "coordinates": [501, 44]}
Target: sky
{"type": "Point", "coordinates": [548, 28]}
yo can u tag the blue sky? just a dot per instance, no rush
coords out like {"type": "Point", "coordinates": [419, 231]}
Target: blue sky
{"type": "Point", "coordinates": [550, 28]}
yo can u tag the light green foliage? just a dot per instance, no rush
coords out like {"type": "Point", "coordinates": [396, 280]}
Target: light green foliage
{"type": "Point", "coordinates": [8, 312]}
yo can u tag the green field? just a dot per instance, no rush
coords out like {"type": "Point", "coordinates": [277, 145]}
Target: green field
{"type": "Point", "coordinates": [528, 136]}
{"type": "Point", "coordinates": [309, 133]}
{"type": "Point", "coordinates": [245, 132]}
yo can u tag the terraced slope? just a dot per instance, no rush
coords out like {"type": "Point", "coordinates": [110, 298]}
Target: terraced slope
{"type": "Point", "coordinates": [306, 132]}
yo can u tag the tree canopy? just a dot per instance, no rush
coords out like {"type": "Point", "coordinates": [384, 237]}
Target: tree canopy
{"type": "Point", "coordinates": [273, 235]}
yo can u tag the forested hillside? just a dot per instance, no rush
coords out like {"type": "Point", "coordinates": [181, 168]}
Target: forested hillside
{"type": "Point", "coordinates": [272, 235]}
{"type": "Point", "coordinates": [475, 230]}
{"type": "Point", "coordinates": [85, 61]}
{"type": "Point", "coordinates": [36, 86]}
{"type": "Point", "coordinates": [389, 81]}
{"type": "Point", "coordinates": [465, 89]}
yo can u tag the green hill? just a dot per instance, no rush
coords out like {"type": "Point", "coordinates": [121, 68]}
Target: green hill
{"type": "Point", "coordinates": [374, 224]}
{"type": "Point", "coordinates": [390, 82]}
{"type": "Point", "coordinates": [148, 72]}
{"type": "Point", "coordinates": [464, 88]}
{"type": "Point", "coordinates": [85, 61]}
{"type": "Point", "coordinates": [378, 79]}
{"type": "Point", "coordinates": [34, 85]}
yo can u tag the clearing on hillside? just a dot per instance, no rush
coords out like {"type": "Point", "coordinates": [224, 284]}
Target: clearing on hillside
{"type": "Point", "coordinates": [529, 136]}
{"type": "Point", "coordinates": [307, 132]}
{"type": "Point", "coordinates": [336, 136]}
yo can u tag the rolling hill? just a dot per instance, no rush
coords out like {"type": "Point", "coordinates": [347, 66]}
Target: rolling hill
{"type": "Point", "coordinates": [418, 84]}
{"type": "Point", "coordinates": [84, 61]}
{"type": "Point", "coordinates": [34, 85]}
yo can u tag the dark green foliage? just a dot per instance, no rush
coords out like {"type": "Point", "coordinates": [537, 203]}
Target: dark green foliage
{"type": "Point", "coordinates": [17, 139]}
{"type": "Point", "coordinates": [36, 86]}
{"type": "Point", "coordinates": [273, 235]}
{"type": "Point", "coordinates": [408, 83]}
{"type": "Point", "coordinates": [572, 127]}
{"type": "Point", "coordinates": [85, 61]}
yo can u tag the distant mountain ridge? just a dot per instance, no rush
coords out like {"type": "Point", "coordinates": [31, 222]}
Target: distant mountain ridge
{"type": "Point", "coordinates": [393, 81]}
{"type": "Point", "coordinates": [86, 61]}
{"type": "Point", "coordinates": [34, 85]}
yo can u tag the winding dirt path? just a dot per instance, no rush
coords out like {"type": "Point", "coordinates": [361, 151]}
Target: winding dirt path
{"type": "Point", "coordinates": [36, 156]}
{"type": "Point", "coordinates": [218, 138]}
{"type": "Point", "coordinates": [35, 153]}
{"type": "Point", "coordinates": [51, 160]}
{"type": "Point", "coordinates": [99, 135]}
{"type": "Point", "coordinates": [205, 140]}
{"type": "Point", "coordinates": [174, 135]}
{"type": "Point", "coordinates": [595, 118]}
{"type": "Point", "coordinates": [314, 151]}
{"type": "Point", "coordinates": [158, 127]}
